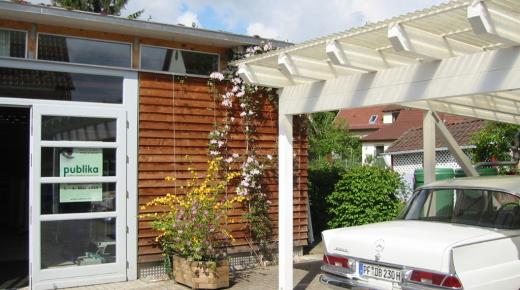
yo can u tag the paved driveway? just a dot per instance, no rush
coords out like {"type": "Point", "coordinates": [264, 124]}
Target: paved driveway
{"type": "Point", "coordinates": [262, 278]}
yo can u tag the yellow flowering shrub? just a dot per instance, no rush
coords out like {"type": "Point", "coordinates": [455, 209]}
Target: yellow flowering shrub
{"type": "Point", "coordinates": [193, 225]}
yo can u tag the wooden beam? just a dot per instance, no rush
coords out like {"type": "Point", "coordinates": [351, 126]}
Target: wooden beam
{"type": "Point", "coordinates": [295, 66]}
{"type": "Point", "coordinates": [413, 42]}
{"type": "Point", "coordinates": [359, 58]}
{"type": "Point", "coordinates": [453, 147]}
{"type": "Point", "coordinates": [263, 76]}
{"type": "Point", "coordinates": [474, 74]}
{"type": "Point", "coordinates": [454, 109]}
{"type": "Point", "coordinates": [429, 161]}
{"type": "Point", "coordinates": [494, 23]}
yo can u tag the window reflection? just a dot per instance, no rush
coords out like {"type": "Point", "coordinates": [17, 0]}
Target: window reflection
{"type": "Point", "coordinates": [64, 128]}
{"type": "Point", "coordinates": [12, 43]}
{"type": "Point", "coordinates": [87, 51]}
{"type": "Point", "coordinates": [178, 61]}
{"type": "Point", "coordinates": [36, 84]}
{"type": "Point", "coordinates": [78, 242]}
{"type": "Point", "coordinates": [78, 198]}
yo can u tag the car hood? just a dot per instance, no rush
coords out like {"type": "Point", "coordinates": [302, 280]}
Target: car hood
{"type": "Point", "coordinates": [417, 244]}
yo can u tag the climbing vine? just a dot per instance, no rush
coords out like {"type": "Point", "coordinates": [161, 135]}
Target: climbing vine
{"type": "Point", "coordinates": [242, 104]}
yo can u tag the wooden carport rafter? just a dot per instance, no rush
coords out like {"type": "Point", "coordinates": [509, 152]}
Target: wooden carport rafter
{"type": "Point", "coordinates": [462, 58]}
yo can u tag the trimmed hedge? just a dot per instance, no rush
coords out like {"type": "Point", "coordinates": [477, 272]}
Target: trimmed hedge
{"type": "Point", "coordinates": [363, 195]}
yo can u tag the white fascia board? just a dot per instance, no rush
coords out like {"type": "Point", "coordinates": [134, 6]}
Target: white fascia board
{"type": "Point", "coordinates": [493, 23]}
{"type": "Point", "coordinates": [474, 74]}
{"type": "Point", "coordinates": [489, 102]}
{"type": "Point", "coordinates": [465, 111]}
{"type": "Point", "coordinates": [263, 76]}
{"type": "Point", "coordinates": [412, 42]}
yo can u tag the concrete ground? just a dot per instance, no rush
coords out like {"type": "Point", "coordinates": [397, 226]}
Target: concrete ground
{"type": "Point", "coordinates": [306, 271]}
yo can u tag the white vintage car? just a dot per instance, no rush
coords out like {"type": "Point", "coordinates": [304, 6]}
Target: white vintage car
{"type": "Point", "coordinates": [462, 233]}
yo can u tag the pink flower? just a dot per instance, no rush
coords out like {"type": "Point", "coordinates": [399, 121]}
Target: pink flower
{"type": "Point", "coordinates": [216, 76]}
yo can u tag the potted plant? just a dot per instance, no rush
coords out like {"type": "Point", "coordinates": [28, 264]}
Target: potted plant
{"type": "Point", "coordinates": [192, 228]}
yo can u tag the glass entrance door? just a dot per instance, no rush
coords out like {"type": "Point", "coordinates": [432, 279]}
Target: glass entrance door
{"type": "Point", "coordinates": [77, 196]}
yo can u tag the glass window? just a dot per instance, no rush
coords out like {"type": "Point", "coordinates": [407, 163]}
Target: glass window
{"type": "Point", "coordinates": [12, 43]}
{"type": "Point", "coordinates": [372, 119]}
{"type": "Point", "coordinates": [65, 128]}
{"type": "Point", "coordinates": [63, 162]}
{"type": "Point", "coordinates": [36, 84]}
{"type": "Point", "coordinates": [379, 150]}
{"type": "Point", "coordinates": [178, 61]}
{"type": "Point", "coordinates": [466, 206]}
{"type": "Point", "coordinates": [87, 51]}
{"type": "Point", "coordinates": [73, 243]}
{"type": "Point", "coordinates": [78, 198]}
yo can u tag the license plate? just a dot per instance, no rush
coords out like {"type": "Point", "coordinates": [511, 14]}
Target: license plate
{"type": "Point", "coordinates": [380, 272]}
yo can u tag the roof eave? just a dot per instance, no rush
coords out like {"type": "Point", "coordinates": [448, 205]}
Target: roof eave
{"type": "Point", "coordinates": [78, 19]}
{"type": "Point", "coordinates": [421, 150]}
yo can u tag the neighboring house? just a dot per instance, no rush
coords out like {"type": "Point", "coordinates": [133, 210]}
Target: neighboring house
{"type": "Point", "coordinates": [399, 120]}
{"type": "Point", "coordinates": [130, 98]}
{"type": "Point", "coordinates": [380, 126]}
{"type": "Point", "coordinates": [406, 153]}
{"type": "Point", "coordinates": [361, 121]}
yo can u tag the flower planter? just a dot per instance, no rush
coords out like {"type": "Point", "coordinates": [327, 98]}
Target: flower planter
{"type": "Point", "coordinates": [201, 275]}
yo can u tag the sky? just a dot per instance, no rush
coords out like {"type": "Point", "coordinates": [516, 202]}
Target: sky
{"type": "Point", "coordinates": [288, 20]}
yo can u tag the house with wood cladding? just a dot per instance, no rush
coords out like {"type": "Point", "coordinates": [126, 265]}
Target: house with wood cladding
{"type": "Point", "coordinates": [95, 111]}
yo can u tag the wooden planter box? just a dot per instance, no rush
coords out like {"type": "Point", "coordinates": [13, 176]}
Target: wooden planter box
{"type": "Point", "coordinates": [199, 275]}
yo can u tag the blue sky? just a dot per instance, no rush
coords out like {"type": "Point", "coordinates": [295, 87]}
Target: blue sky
{"type": "Point", "coordinates": [290, 20]}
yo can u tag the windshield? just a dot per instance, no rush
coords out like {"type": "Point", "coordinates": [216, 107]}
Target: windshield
{"type": "Point", "coordinates": [466, 206]}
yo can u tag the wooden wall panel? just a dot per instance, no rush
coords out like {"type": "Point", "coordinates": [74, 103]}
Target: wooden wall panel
{"type": "Point", "coordinates": [175, 119]}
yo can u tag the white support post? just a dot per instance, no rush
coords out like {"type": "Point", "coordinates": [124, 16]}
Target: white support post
{"type": "Point", "coordinates": [285, 202]}
{"type": "Point", "coordinates": [429, 147]}
{"type": "Point", "coordinates": [454, 148]}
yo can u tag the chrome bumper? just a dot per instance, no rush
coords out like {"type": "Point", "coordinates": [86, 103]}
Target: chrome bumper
{"type": "Point", "coordinates": [340, 283]}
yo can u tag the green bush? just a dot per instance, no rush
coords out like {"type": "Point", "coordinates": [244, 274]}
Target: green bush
{"type": "Point", "coordinates": [364, 194]}
{"type": "Point", "coordinates": [322, 178]}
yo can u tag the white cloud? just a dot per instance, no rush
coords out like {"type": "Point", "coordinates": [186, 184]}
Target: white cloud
{"type": "Point", "coordinates": [292, 20]}
{"type": "Point", "coordinates": [261, 30]}
{"type": "Point", "coordinates": [189, 18]}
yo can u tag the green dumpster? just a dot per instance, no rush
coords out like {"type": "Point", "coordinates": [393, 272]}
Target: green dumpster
{"type": "Point", "coordinates": [481, 171]}
{"type": "Point", "coordinates": [440, 174]}
{"type": "Point", "coordinates": [443, 205]}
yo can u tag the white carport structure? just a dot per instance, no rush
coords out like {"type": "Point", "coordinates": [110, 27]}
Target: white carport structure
{"type": "Point", "coordinates": [462, 58]}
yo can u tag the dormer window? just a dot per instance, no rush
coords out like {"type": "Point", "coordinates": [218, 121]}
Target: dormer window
{"type": "Point", "coordinates": [372, 119]}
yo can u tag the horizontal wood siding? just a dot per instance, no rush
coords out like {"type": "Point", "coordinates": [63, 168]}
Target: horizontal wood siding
{"type": "Point", "coordinates": [175, 119]}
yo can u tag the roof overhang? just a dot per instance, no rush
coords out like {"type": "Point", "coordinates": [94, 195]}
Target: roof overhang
{"type": "Point", "coordinates": [49, 15]}
{"type": "Point", "coordinates": [461, 57]}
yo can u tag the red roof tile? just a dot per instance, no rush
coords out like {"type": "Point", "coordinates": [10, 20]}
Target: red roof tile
{"type": "Point", "coordinates": [357, 119]}
{"type": "Point", "coordinates": [413, 138]}
{"type": "Point", "coordinates": [407, 119]}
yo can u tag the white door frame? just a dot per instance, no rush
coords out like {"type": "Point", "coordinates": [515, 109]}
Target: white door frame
{"type": "Point", "coordinates": [72, 275]}
{"type": "Point", "coordinates": [130, 105]}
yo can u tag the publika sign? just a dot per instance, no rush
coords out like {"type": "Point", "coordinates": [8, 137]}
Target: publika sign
{"type": "Point", "coordinates": [81, 162]}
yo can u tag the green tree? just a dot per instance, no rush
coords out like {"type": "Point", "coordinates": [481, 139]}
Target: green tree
{"type": "Point", "coordinates": [109, 7]}
{"type": "Point", "coordinates": [493, 142]}
{"type": "Point", "coordinates": [329, 142]}
{"type": "Point", "coordinates": [364, 194]}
